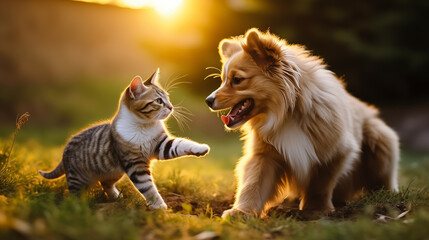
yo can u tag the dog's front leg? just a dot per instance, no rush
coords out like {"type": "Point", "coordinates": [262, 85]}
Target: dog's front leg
{"type": "Point", "coordinates": [317, 198]}
{"type": "Point", "coordinates": [257, 181]}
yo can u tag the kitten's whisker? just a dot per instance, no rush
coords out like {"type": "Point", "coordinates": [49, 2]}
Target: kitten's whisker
{"type": "Point", "coordinates": [183, 110]}
{"type": "Point", "coordinates": [164, 83]}
{"type": "Point", "coordinates": [179, 104]}
{"type": "Point", "coordinates": [182, 122]}
{"type": "Point", "coordinates": [178, 122]}
{"type": "Point", "coordinates": [179, 77]}
{"type": "Point", "coordinates": [174, 85]}
{"type": "Point", "coordinates": [188, 115]}
{"type": "Point", "coordinates": [183, 116]}
{"type": "Point", "coordinates": [173, 82]}
{"type": "Point", "coordinates": [185, 125]}
{"type": "Point", "coordinates": [169, 80]}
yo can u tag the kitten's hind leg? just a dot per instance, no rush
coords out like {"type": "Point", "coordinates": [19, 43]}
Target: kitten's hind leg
{"type": "Point", "coordinates": [75, 183]}
{"type": "Point", "coordinates": [140, 176]}
{"type": "Point", "coordinates": [110, 188]}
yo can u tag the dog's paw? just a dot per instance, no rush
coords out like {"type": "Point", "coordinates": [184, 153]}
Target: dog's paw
{"type": "Point", "coordinates": [308, 215]}
{"type": "Point", "coordinates": [234, 213]}
{"type": "Point", "coordinates": [199, 150]}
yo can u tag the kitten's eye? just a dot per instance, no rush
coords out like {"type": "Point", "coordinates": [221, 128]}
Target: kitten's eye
{"type": "Point", "coordinates": [237, 80]}
{"type": "Point", "coordinates": [158, 100]}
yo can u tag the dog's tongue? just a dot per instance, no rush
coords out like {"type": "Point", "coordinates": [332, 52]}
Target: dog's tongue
{"type": "Point", "coordinates": [232, 115]}
{"type": "Point", "coordinates": [225, 119]}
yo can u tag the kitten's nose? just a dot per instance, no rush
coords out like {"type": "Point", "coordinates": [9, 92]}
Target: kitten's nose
{"type": "Point", "coordinates": [210, 100]}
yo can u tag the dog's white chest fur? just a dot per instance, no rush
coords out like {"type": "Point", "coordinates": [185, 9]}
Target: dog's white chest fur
{"type": "Point", "coordinates": [297, 148]}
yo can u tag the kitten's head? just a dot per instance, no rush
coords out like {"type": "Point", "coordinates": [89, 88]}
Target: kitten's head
{"type": "Point", "coordinates": [146, 100]}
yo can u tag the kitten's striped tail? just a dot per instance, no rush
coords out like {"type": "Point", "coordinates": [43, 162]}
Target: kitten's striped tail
{"type": "Point", "coordinates": [56, 173]}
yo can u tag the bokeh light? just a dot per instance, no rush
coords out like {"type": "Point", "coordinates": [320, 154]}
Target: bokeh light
{"type": "Point", "coordinates": [166, 7]}
{"type": "Point", "coordinates": [163, 7]}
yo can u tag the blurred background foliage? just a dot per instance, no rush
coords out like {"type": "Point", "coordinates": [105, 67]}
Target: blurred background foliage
{"type": "Point", "coordinates": [380, 47]}
{"type": "Point", "coordinates": [66, 62]}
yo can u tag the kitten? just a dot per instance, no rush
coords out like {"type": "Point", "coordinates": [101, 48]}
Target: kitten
{"type": "Point", "coordinates": [127, 144]}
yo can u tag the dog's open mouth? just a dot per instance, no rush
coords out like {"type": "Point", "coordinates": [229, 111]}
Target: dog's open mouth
{"type": "Point", "coordinates": [238, 112]}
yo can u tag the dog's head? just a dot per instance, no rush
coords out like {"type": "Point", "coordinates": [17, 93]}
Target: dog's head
{"type": "Point", "coordinates": [257, 82]}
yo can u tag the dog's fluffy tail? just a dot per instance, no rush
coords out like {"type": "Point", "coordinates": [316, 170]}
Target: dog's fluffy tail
{"type": "Point", "coordinates": [380, 155]}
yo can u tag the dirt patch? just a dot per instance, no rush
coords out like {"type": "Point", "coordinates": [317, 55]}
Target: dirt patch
{"type": "Point", "coordinates": [345, 212]}
{"type": "Point", "coordinates": [214, 206]}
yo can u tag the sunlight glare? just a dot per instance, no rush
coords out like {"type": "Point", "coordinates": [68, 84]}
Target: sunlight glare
{"type": "Point", "coordinates": [163, 7]}
{"type": "Point", "coordinates": [134, 3]}
{"type": "Point", "coordinates": [166, 7]}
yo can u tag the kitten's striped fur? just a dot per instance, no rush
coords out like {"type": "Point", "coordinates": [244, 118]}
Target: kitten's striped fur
{"type": "Point", "coordinates": [127, 144]}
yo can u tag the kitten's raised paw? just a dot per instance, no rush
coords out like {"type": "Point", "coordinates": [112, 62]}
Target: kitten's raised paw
{"type": "Point", "coordinates": [199, 150]}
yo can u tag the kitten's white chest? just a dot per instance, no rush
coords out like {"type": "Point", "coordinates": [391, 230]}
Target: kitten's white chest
{"type": "Point", "coordinates": [133, 130]}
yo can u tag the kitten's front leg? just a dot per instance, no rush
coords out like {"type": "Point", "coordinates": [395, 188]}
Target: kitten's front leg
{"type": "Point", "coordinates": [142, 180]}
{"type": "Point", "coordinates": [178, 147]}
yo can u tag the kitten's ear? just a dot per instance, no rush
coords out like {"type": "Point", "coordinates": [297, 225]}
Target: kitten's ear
{"type": "Point", "coordinates": [153, 79]}
{"type": "Point", "coordinates": [136, 87]}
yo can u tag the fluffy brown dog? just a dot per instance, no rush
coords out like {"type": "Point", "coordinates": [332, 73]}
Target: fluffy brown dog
{"type": "Point", "coordinates": [306, 137]}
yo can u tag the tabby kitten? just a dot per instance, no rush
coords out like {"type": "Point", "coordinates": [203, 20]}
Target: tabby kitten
{"type": "Point", "coordinates": [127, 144]}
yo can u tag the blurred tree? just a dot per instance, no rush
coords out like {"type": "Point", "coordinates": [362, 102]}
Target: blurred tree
{"type": "Point", "coordinates": [379, 46]}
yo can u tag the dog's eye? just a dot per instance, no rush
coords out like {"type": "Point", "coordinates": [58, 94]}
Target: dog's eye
{"type": "Point", "coordinates": [237, 80]}
{"type": "Point", "coordinates": [158, 100]}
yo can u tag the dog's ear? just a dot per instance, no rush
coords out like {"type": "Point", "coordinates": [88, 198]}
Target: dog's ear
{"type": "Point", "coordinates": [227, 47]}
{"type": "Point", "coordinates": [263, 48]}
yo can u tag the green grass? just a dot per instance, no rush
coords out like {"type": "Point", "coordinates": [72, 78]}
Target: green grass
{"type": "Point", "coordinates": [196, 190]}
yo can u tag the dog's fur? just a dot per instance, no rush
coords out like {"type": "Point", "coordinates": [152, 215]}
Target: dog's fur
{"type": "Point", "coordinates": [306, 137]}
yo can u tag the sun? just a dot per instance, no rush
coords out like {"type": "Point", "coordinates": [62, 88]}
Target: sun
{"type": "Point", "coordinates": [163, 7]}
{"type": "Point", "coordinates": [133, 3]}
{"type": "Point", "coordinates": [166, 7]}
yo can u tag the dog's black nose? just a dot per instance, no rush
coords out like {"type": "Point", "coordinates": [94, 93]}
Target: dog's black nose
{"type": "Point", "coordinates": [210, 100]}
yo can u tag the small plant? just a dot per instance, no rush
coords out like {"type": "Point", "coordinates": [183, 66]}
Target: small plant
{"type": "Point", "coordinates": [9, 180]}
{"type": "Point", "coordinates": [5, 155]}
